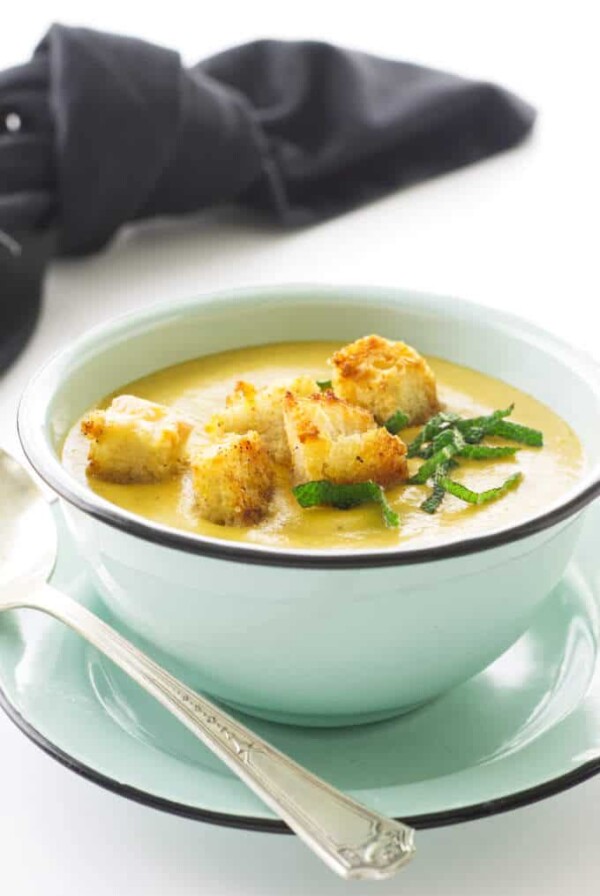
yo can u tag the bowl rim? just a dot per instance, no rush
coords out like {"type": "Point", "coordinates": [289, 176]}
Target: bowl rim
{"type": "Point", "coordinates": [42, 456]}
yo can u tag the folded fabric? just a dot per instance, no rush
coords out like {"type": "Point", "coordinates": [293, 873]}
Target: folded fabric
{"type": "Point", "coordinates": [99, 130]}
{"type": "Point", "coordinates": [22, 266]}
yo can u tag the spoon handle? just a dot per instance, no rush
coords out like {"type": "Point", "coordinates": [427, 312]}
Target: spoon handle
{"type": "Point", "coordinates": [352, 840]}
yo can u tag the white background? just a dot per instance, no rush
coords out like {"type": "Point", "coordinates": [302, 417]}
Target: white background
{"type": "Point", "coordinates": [519, 232]}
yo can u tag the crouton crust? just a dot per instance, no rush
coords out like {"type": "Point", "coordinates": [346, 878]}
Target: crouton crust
{"type": "Point", "coordinates": [135, 440]}
{"type": "Point", "coordinates": [332, 439]}
{"type": "Point", "coordinates": [233, 480]}
{"type": "Point", "coordinates": [385, 377]}
{"type": "Point", "coordinates": [260, 410]}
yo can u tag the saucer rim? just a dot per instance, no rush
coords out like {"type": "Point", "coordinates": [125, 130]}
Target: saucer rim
{"type": "Point", "coordinates": [444, 818]}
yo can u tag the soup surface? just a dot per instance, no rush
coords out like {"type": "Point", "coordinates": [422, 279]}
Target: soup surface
{"type": "Point", "coordinates": [198, 388]}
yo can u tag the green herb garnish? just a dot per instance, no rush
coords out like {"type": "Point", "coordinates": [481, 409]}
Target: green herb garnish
{"type": "Point", "coordinates": [443, 428]}
{"type": "Point", "coordinates": [475, 428]}
{"type": "Point", "coordinates": [439, 422]}
{"type": "Point", "coordinates": [396, 422]}
{"type": "Point", "coordinates": [431, 429]}
{"type": "Point", "coordinates": [343, 496]}
{"type": "Point", "coordinates": [518, 433]}
{"type": "Point", "coordinates": [433, 501]}
{"type": "Point", "coordinates": [428, 468]}
{"type": "Point", "coordinates": [474, 435]}
{"type": "Point", "coordinates": [491, 494]}
{"type": "Point", "coordinates": [324, 385]}
{"type": "Point", "coordinates": [452, 442]}
{"type": "Point", "coordinates": [436, 496]}
{"type": "Point", "coordinates": [487, 452]}
{"type": "Point", "coordinates": [448, 437]}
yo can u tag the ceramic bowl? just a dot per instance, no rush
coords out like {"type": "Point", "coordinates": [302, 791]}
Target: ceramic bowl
{"type": "Point", "coordinates": [316, 637]}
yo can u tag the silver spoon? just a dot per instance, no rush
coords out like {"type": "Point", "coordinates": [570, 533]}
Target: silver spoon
{"type": "Point", "coordinates": [351, 839]}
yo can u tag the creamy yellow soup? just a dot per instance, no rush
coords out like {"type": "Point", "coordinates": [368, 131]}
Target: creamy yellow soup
{"type": "Point", "coordinates": [198, 388]}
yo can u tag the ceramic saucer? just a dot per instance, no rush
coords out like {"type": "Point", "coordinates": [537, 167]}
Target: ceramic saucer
{"type": "Point", "coordinates": [525, 728]}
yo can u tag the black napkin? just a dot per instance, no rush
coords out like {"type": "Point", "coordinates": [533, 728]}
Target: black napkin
{"type": "Point", "coordinates": [22, 263]}
{"type": "Point", "coordinates": [100, 130]}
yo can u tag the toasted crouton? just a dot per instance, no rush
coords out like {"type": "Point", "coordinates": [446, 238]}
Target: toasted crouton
{"type": "Point", "coordinates": [233, 480]}
{"type": "Point", "coordinates": [135, 440]}
{"type": "Point", "coordinates": [331, 439]}
{"type": "Point", "coordinates": [261, 410]}
{"type": "Point", "coordinates": [385, 377]}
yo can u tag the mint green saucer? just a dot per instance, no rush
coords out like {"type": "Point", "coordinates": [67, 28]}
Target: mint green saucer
{"type": "Point", "coordinates": [527, 727]}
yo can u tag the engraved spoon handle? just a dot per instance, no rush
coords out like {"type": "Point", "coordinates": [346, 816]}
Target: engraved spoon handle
{"type": "Point", "coordinates": [352, 840]}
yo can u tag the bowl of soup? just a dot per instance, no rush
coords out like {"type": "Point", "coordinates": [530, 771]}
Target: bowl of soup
{"type": "Point", "coordinates": [308, 595]}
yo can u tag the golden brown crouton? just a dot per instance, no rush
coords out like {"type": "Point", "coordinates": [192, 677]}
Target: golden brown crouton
{"type": "Point", "coordinates": [135, 440]}
{"type": "Point", "coordinates": [385, 377]}
{"type": "Point", "coordinates": [331, 439]}
{"type": "Point", "coordinates": [261, 410]}
{"type": "Point", "coordinates": [233, 480]}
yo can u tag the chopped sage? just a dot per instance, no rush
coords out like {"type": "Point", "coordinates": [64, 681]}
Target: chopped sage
{"type": "Point", "coordinates": [474, 435]}
{"type": "Point", "coordinates": [441, 421]}
{"type": "Point", "coordinates": [518, 433]}
{"type": "Point", "coordinates": [396, 422]}
{"type": "Point", "coordinates": [426, 451]}
{"type": "Point", "coordinates": [322, 492]}
{"type": "Point", "coordinates": [475, 428]}
{"type": "Point", "coordinates": [491, 494]}
{"type": "Point", "coordinates": [428, 468]}
{"type": "Point", "coordinates": [416, 446]}
{"type": "Point", "coordinates": [487, 452]}
{"type": "Point", "coordinates": [448, 437]}
{"type": "Point", "coordinates": [434, 499]}
{"type": "Point", "coordinates": [436, 496]}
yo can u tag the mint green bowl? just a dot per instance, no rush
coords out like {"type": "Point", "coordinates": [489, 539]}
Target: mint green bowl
{"type": "Point", "coordinates": [316, 637]}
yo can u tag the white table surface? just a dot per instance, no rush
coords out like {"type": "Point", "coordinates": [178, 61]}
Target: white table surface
{"type": "Point", "coordinates": [517, 232]}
